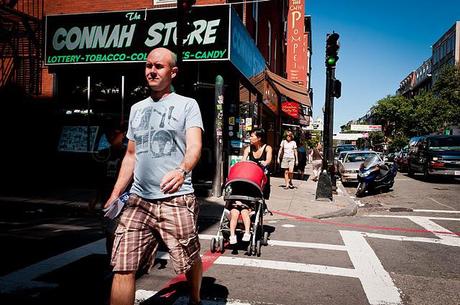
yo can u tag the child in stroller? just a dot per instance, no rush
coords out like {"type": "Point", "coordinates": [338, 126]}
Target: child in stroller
{"type": "Point", "coordinates": [238, 208]}
{"type": "Point", "coordinates": [244, 196]}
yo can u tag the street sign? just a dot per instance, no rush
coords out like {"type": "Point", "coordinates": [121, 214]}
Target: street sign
{"type": "Point", "coordinates": [366, 127]}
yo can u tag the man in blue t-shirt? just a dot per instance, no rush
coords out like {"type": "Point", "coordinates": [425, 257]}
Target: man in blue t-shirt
{"type": "Point", "coordinates": [165, 140]}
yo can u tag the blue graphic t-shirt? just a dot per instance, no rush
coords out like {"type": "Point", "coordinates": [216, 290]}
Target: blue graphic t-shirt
{"type": "Point", "coordinates": [158, 129]}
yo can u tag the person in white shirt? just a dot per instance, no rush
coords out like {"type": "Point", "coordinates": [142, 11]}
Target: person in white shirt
{"type": "Point", "coordinates": [288, 158]}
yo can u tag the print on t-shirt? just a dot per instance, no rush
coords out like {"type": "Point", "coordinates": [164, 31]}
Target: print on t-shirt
{"type": "Point", "coordinates": [162, 143]}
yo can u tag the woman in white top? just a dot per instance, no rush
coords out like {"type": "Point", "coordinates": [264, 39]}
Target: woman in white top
{"type": "Point", "coordinates": [289, 158]}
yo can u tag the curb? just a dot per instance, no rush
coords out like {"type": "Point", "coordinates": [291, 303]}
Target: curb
{"type": "Point", "coordinates": [350, 210]}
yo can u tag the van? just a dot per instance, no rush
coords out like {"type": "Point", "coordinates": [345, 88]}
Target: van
{"type": "Point", "coordinates": [434, 155]}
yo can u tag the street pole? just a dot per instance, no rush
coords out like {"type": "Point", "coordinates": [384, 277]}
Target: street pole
{"type": "Point", "coordinates": [324, 186]}
{"type": "Point", "coordinates": [326, 182]}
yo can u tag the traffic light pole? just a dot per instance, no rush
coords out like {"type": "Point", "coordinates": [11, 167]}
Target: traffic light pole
{"type": "Point", "coordinates": [326, 179]}
{"type": "Point", "coordinates": [327, 182]}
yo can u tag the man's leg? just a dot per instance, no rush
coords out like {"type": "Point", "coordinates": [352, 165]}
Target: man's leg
{"type": "Point", "coordinates": [123, 288]}
{"type": "Point", "coordinates": [194, 276]}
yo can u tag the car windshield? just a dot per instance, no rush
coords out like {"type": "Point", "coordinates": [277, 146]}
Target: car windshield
{"type": "Point", "coordinates": [448, 143]}
{"type": "Point", "coordinates": [359, 157]}
{"type": "Point", "coordinates": [345, 148]}
{"type": "Point", "coordinates": [371, 161]}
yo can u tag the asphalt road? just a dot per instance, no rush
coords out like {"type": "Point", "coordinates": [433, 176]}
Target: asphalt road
{"type": "Point", "coordinates": [401, 248]}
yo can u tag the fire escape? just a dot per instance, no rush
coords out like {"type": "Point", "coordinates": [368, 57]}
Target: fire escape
{"type": "Point", "coordinates": [21, 44]}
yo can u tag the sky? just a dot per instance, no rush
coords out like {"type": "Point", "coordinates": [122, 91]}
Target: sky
{"type": "Point", "coordinates": [381, 42]}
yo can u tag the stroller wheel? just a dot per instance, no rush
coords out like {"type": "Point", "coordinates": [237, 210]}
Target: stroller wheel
{"type": "Point", "coordinates": [265, 240]}
{"type": "Point", "coordinates": [250, 248]}
{"type": "Point", "coordinates": [221, 245]}
{"type": "Point", "coordinates": [213, 245]}
{"type": "Point", "coordinates": [258, 247]}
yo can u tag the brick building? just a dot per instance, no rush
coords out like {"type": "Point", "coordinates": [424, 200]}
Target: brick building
{"type": "Point", "coordinates": [91, 71]}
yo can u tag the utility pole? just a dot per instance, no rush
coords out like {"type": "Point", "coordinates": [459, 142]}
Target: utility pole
{"type": "Point", "coordinates": [183, 26]}
{"type": "Point", "coordinates": [327, 182]}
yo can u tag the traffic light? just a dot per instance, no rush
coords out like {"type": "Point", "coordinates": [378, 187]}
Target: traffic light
{"type": "Point", "coordinates": [336, 88]}
{"type": "Point", "coordinates": [184, 11]}
{"type": "Point", "coordinates": [332, 49]}
{"type": "Point", "coordinates": [185, 5]}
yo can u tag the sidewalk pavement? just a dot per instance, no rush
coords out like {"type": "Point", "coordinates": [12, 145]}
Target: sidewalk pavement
{"type": "Point", "coordinates": [299, 201]}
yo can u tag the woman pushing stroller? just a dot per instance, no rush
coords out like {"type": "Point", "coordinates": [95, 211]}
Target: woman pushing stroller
{"type": "Point", "coordinates": [260, 153]}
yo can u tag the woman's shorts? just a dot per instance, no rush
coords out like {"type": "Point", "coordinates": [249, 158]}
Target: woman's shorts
{"type": "Point", "coordinates": [172, 219]}
{"type": "Point", "coordinates": [288, 163]}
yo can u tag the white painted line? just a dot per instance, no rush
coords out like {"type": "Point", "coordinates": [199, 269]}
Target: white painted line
{"type": "Point", "coordinates": [445, 205]}
{"type": "Point", "coordinates": [436, 211]}
{"type": "Point", "coordinates": [293, 244]}
{"type": "Point", "coordinates": [450, 239]}
{"type": "Point", "coordinates": [283, 243]}
{"type": "Point", "coordinates": [377, 283]}
{"type": "Point", "coordinates": [407, 238]}
{"type": "Point", "coordinates": [286, 266]}
{"type": "Point", "coordinates": [24, 277]}
{"type": "Point", "coordinates": [411, 216]}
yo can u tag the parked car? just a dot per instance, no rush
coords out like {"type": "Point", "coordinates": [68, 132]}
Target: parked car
{"type": "Point", "coordinates": [349, 166]}
{"type": "Point", "coordinates": [435, 155]}
{"type": "Point", "coordinates": [343, 147]}
{"type": "Point", "coordinates": [401, 159]}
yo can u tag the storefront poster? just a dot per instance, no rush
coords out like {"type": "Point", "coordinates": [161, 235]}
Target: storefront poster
{"type": "Point", "coordinates": [291, 109]}
{"type": "Point", "coordinates": [128, 36]}
{"type": "Point", "coordinates": [75, 139]}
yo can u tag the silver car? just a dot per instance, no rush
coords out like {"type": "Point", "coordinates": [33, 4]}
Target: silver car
{"type": "Point", "coordinates": [348, 167]}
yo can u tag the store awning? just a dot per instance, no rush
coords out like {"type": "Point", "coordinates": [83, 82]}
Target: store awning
{"type": "Point", "coordinates": [289, 89]}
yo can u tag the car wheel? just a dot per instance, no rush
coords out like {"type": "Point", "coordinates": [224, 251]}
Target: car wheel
{"type": "Point", "coordinates": [426, 174]}
{"type": "Point", "coordinates": [410, 172]}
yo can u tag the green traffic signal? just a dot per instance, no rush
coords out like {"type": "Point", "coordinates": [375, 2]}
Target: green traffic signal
{"type": "Point", "coordinates": [331, 61]}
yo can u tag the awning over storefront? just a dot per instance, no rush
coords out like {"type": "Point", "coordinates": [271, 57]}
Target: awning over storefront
{"type": "Point", "coordinates": [289, 89]}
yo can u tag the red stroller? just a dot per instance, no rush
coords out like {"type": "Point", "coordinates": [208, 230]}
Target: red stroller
{"type": "Point", "coordinates": [245, 183]}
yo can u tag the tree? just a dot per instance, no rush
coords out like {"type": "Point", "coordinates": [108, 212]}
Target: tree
{"type": "Point", "coordinates": [433, 113]}
{"type": "Point", "coordinates": [395, 114]}
{"type": "Point", "coordinates": [447, 87]}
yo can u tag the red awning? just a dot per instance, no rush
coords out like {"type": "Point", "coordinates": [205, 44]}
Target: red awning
{"type": "Point", "coordinates": [289, 89]}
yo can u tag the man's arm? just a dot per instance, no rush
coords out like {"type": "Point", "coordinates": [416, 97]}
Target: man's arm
{"type": "Point", "coordinates": [126, 173]}
{"type": "Point", "coordinates": [174, 179]}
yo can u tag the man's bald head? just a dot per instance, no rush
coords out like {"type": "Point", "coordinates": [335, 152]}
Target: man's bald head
{"type": "Point", "coordinates": [171, 57]}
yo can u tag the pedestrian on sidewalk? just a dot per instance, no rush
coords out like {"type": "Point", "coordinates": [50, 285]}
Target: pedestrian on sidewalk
{"type": "Point", "coordinates": [261, 153]}
{"type": "Point", "coordinates": [302, 153]}
{"type": "Point", "coordinates": [288, 158]}
{"type": "Point", "coordinates": [317, 160]}
{"type": "Point", "coordinates": [162, 203]}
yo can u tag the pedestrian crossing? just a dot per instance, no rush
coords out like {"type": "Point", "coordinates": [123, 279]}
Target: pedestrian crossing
{"type": "Point", "coordinates": [375, 281]}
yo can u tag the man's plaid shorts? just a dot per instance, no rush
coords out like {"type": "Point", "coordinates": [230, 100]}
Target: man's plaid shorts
{"type": "Point", "coordinates": [172, 219]}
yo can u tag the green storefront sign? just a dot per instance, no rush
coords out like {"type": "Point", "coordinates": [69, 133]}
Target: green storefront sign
{"type": "Point", "coordinates": [121, 37]}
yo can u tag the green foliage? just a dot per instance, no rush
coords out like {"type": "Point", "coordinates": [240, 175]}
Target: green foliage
{"type": "Point", "coordinates": [447, 87]}
{"type": "Point", "coordinates": [398, 142]}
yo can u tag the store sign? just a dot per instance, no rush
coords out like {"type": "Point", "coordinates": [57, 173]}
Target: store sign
{"type": "Point", "coordinates": [296, 56]}
{"type": "Point", "coordinates": [366, 127]}
{"type": "Point", "coordinates": [129, 36]}
{"type": "Point", "coordinates": [291, 109]}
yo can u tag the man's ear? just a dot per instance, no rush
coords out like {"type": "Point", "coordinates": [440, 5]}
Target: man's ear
{"type": "Point", "coordinates": [174, 71]}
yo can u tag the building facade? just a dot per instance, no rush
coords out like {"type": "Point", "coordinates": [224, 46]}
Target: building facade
{"type": "Point", "coordinates": [91, 69]}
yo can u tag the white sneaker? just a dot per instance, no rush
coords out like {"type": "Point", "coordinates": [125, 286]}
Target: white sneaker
{"type": "Point", "coordinates": [246, 237]}
{"type": "Point", "coordinates": [232, 239]}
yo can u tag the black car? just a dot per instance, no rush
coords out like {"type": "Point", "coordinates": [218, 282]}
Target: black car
{"type": "Point", "coordinates": [435, 155]}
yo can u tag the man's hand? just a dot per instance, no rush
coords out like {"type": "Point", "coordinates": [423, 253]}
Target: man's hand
{"type": "Point", "coordinates": [172, 181]}
{"type": "Point", "coordinates": [109, 201]}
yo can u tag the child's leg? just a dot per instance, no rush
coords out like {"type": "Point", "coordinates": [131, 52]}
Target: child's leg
{"type": "Point", "coordinates": [233, 221]}
{"type": "Point", "coordinates": [246, 219]}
